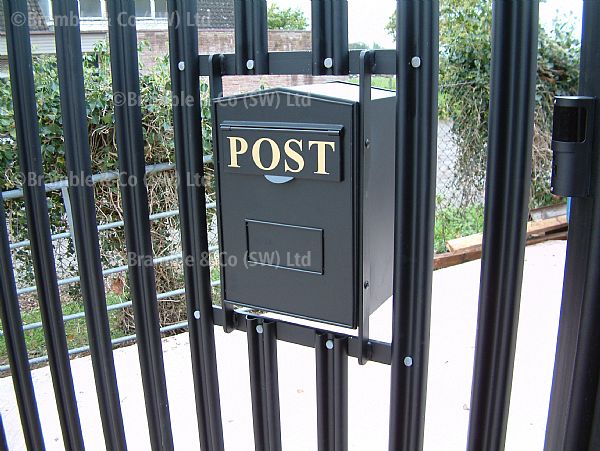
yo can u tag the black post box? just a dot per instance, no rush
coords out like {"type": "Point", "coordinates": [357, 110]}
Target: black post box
{"type": "Point", "coordinates": [306, 200]}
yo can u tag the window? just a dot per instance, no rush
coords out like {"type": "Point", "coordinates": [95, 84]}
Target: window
{"type": "Point", "coordinates": [143, 8]}
{"type": "Point", "coordinates": [160, 8]}
{"type": "Point", "coordinates": [90, 8]}
{"type": "Point", "coordinates": [94, 9]}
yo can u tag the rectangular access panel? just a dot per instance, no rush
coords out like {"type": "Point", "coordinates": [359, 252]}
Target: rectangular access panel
{"type": "Point", "coordinates": [305, 211]}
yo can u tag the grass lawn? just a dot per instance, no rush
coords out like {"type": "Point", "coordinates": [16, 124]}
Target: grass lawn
{"type": "Point", "coordinates": [454, 222]}
{"type": "Point", "coordinates": [76, 330]}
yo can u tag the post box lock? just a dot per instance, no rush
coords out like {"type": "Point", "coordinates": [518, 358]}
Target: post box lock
{"type": "Point", "coordinates": [572, 139]}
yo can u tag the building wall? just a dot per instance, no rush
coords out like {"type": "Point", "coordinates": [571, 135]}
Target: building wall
{"type": "Point", "coordinates": [222, 41]}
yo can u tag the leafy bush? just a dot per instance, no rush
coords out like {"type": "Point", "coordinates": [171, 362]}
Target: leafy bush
{"type": "Point", "coordinates": [156, 105]}
{"type": "Point", "coordinates": [286, 18]}
{"type": "Point", "coordinates": [465, 57]}
{"type": "Point", "coordinates": [155, 90]}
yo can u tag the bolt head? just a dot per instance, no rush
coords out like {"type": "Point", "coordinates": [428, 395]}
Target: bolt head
{"type": "Point", "coordinates": [250, 64]}
{"type": "Point", "coordinates": [260, 329]}
{"type": "Point", "coordinates": [181, 65]}
{"type": "Point", "coordinates": [328, 63]}
{"type": "Point", "coordinates": [197, 314]}
{"type": "Point", "coordinates": [329, 344]}
{"type": "Point", "coordinates": [408, 361]}
{"type": "Point", "coordinates": [415, 62]}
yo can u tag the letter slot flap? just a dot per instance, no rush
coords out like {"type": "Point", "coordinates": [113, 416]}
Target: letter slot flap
{"type": "Point", "coordinates": [572, 139]}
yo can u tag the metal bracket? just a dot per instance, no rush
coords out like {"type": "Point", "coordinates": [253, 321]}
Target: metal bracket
{"type": "Point", "coordinates": [215, 84]}
{"type": "Point", "coordinates": [367, 62]}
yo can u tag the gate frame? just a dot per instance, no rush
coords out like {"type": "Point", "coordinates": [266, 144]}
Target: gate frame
{"type": "Point", "coordinates": [414, 62]}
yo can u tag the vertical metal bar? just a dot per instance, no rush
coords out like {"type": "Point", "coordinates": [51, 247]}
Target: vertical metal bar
{"type": "Point", "coordinates": [130, 148]}
{"type": "Point", "coordinates": [264, 384]}
{"type": "Point", "coordinates": [183, 51]}
{"type": "Point", "coordinates": [514, 56]}
{"type": "Point", "coordinates": [340, 53]}
{"type": "Point", "coordinates": [29, 148]}
{"type": "Point", "coordinates": [243, 41]}
{"type": "Point", "coordinates": [12, 328]}
{"type": "Point", "coordinates": [251, 37]}
{"type": "Point", "coordinates": [261, 37]}
{"type": "Point", "coordinates": [340, 387]}
{"type": "Point", "coordinates": [330, 37]}
{"type": "Point", "coordinates": [574, 415]}
{"type": "Point", "coordinates": [3, 441]}
{"type": "Point", "coordinates": [318, 29]}
{"type": "Point", "coordinates": [332, 392]}
{"type": "Point", "coordinates": [81, 216]}
{"type": "Point", "coordinates": [416, 142]}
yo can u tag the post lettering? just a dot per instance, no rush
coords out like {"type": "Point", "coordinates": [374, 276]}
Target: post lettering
{"type": "Point", "coordinates": [235, 150]}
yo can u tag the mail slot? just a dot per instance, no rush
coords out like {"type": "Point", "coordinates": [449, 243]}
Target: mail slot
{"type": "Point", "coordinates": [306, 200]}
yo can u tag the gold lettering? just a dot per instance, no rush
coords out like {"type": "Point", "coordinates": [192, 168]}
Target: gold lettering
{"type": "Point", "coordinates": [294, 155]}
{"type": "Point", "coordinates": [275, 154]}
{"type": "Point", "coordinates": [234, 150]}
{"type": "Point", "coordinates": [321, 157]}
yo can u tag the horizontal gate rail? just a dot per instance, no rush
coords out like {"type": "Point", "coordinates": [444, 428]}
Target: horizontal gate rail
{"type": "Point", "coordinates": [304, 335]}
{"type": "Point", "coordinates": [301, 63]}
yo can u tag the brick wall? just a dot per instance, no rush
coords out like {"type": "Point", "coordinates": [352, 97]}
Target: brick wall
{"type": "Point", "coordinates": [222, 41]}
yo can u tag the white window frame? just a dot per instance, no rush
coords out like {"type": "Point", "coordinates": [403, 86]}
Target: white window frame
{"type": "Point", "coordinates": [104, 13]}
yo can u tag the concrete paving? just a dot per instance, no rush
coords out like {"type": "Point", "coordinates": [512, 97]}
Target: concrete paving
{"type": "Point", "coordinates": [454, 312]}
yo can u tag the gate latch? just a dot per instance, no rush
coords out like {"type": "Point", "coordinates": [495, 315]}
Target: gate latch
{"type": "Point", "coordinates": [572, 140]}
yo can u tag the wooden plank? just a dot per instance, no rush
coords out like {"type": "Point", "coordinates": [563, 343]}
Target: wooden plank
{"type": "Point", "coordinates": [534, 228]}
{"type": "Point", "coordinates": [459, 256]}
{"type": "Point", "coordinates": [455, 258]}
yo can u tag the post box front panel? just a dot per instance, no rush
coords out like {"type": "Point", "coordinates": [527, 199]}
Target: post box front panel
{"type": "Point", "coordinates": [288, 237]}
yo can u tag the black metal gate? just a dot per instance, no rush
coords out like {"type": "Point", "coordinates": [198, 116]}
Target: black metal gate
{"type": "Point", "coordinates": [575, 409]}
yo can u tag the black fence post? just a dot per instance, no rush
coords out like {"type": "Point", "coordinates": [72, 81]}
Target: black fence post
{"type": "Point", "coordinates": [16, 16]}
{"type": "Point", "coordinates": [251, 37]}
{"type": "Point", "coordinates": [187, 120]}
{"type": "Point", "coordinates": [512, 95]}
{"type": "Point", "coordinates": [12, 329]}
{"type": "Point", "coordinates": [416, 145]}
{"type": "Point", "coordinates": [85, 234]}
{"type": "Point", "coordinates": [574, 414]}
{"type": "Point", "coordinates": [130, 148]}
{"type": "Point", "coordinates": [332, 392]}
{"type": "Point", "coordinates": [264, 384]}
{"type": "Point", "coordinates": [330, 37]}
